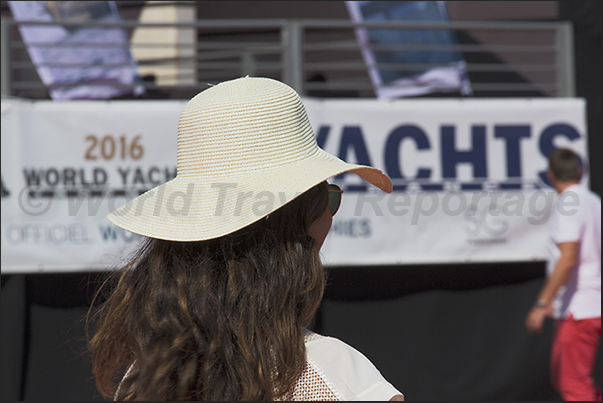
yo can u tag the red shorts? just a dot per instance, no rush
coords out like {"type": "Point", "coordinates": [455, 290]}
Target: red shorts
{"type": "Point", "coordinates": [573, 358]}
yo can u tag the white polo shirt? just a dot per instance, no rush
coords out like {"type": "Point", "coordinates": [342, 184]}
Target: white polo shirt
{"type": "Point", "coordinates": [576, 217]}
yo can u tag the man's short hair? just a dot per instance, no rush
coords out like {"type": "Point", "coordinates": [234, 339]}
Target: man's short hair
{"type": "Point", "coordinates": [565, 165]}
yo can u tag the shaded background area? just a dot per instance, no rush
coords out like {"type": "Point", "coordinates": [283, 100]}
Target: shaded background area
{"type": "Point", "coordinates": [460, 337]}
{"type": "Point", "coordinates": [437, 332]}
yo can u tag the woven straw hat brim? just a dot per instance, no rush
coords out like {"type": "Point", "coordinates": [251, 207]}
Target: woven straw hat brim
{"type": "Point", "coordinates": [202, 208]}
{"type": "Point", "coordinates": [245, 149]}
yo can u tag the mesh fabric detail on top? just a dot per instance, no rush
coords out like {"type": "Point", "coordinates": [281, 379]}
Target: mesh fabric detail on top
{"type": "Point", "coordinates": [312, 385]}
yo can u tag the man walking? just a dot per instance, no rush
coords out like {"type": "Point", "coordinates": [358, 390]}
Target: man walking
{"type": "Point", "coordinates": [572, 291]}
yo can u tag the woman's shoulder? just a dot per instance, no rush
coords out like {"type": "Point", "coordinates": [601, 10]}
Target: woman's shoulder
{"type": "Point", "coordinates": [335, 346]}
{"type": "Point", "coordinates": [334, 351]}
{"type": "Point", "coordinates": [349, 371]}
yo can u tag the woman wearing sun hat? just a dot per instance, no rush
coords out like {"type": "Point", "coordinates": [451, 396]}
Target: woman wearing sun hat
{"type": "Point", "coordinates": [216, 303]}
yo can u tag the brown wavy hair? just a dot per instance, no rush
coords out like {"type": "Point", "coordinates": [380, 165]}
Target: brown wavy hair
{"type": "Point", "coordinates": [213, 320]}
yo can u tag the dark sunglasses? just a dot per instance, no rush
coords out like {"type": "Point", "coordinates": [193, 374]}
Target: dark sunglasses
{"type": "Point", "coordinates": [334, 198]}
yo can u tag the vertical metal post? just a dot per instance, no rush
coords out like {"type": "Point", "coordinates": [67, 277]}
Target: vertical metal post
{"type": "Point", "coordinates": [566, 86]}
{"type": "Point", "coordinates": [248, 63]}
{"type": "Point", "coordinates": [292, 39]}
{"type": "Point", "coordinates": [6, 67]}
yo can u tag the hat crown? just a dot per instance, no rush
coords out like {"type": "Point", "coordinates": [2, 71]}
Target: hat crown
{"type": "Point", "coordinates": [243, 125]}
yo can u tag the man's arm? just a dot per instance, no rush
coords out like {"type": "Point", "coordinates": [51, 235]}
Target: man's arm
{"type": "Point", "coordinates": [570, 252]}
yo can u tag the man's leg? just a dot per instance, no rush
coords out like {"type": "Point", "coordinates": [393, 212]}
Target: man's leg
{"type": "Point", "coordinates": [573, 358]}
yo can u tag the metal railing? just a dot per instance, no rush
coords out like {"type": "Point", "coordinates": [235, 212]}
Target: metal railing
{"type": "Point", "coordinates": [316, 57]}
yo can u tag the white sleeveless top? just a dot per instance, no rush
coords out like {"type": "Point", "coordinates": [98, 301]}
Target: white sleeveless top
{"type": "Point", "coordinates": [337, 371]}
{"type": "Point", "coordinates": [334, 371]}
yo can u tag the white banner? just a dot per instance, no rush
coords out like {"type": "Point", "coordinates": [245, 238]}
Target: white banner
{"type": "Point", "coordinates": [468, 177]}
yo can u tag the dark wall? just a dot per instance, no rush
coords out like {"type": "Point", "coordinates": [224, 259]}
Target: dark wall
{"type": "Point", "coordinates": [443, 344]}
{"type": "Point", "coordinates": [586, 19]}
{"type": "Point", "coordinates": [436, 332]}
{"type": "Point", "coordinates": [43, 338]}
{"type": "Point", "coordinates": [453, 332]}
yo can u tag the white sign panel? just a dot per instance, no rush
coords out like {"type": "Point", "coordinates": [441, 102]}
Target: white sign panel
{"type": "Point", "coordinates": [468, 177]}
{"type": "Point", "coordinates": [65, 165]}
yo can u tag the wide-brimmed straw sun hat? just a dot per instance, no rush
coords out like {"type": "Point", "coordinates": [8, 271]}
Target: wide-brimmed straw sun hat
{"type": "Point", "coordinates": [245, 149]}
